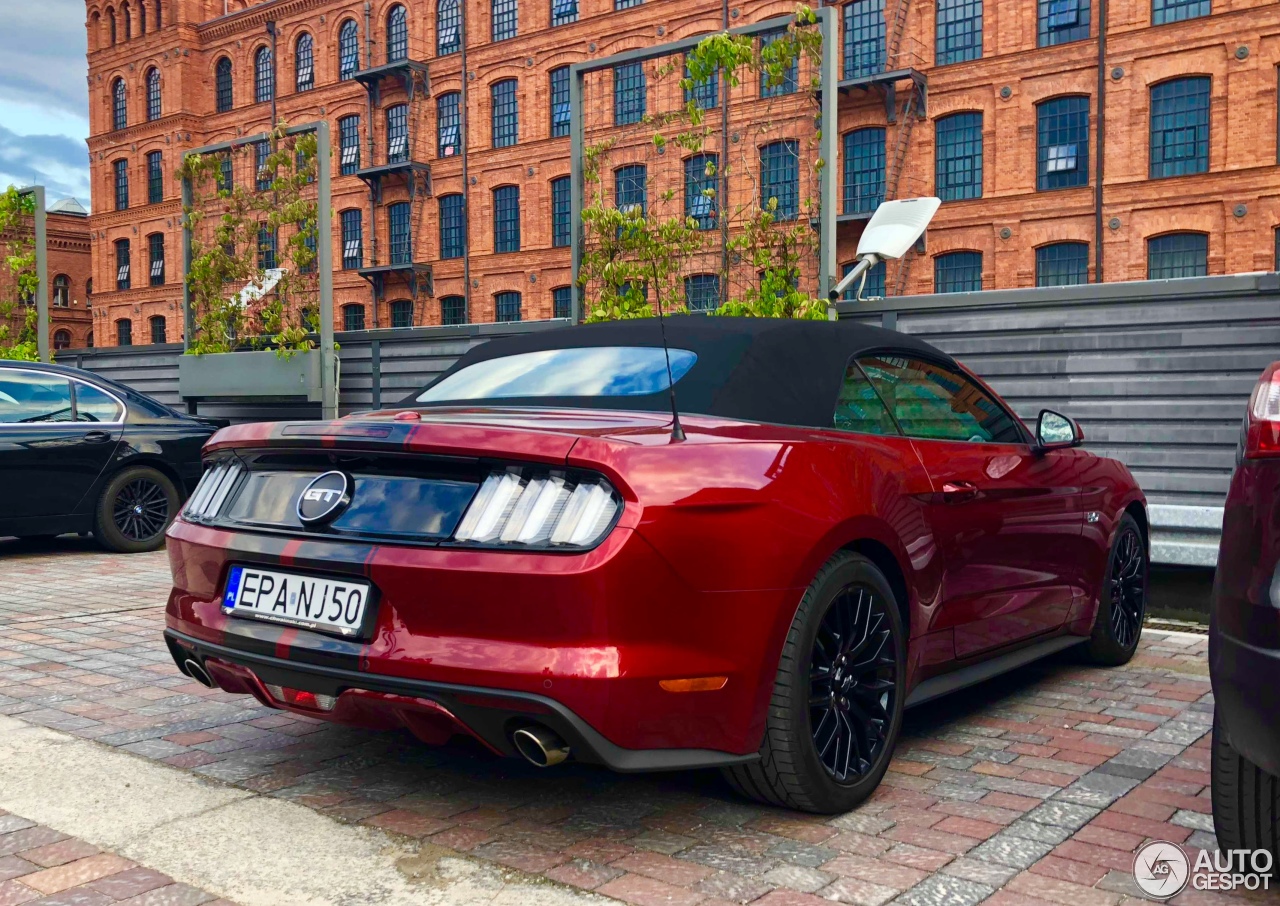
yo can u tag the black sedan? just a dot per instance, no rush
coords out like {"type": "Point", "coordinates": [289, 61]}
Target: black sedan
{"type": "Point", "coordinates": [80, 453]}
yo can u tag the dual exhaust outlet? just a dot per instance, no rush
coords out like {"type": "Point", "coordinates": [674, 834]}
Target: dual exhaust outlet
{"type": "Point", "coordinates": [194, 669]}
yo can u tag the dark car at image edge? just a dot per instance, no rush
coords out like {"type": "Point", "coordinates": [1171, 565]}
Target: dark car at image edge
{"type": "Point", "coordinates": [1244, 637]}
{"type": "Point", "coordinates": [81, 453]}
{"type": "Point", "coordinates": [532, 552]}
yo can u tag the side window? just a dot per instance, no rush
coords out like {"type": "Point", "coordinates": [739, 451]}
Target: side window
{"type": "Point", "coordinates": [936, 403]}
{"type": "Point", "coordinates": [859, 408]}
{"type": "Point", "coordinates": [92, 405]}
{"type": "Point", "coordinates": [28, 396]}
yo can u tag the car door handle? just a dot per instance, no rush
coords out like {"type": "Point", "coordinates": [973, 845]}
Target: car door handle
{"type": "Point", "coordinates": [959, 491]}
{"type": "Point", "coordinates": [97, 437]}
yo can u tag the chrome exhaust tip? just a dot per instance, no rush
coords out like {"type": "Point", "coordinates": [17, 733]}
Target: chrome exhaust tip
{"type": "Point", "coordinates": [191, 667]}
{"type": "Point", "coordinates": [540, 746]}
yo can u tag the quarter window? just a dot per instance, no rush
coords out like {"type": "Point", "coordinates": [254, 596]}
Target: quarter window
{"type": "Point", "coordinates": [451, 226]}
{"type": "Point", "coordinates": [780, 178]}
{"type": "Point", "coordinates": [859, 408]}
{"type": "Point", "coordinates": [1061, 21]}
{"type": "Point", "coordinates": [1062, 264]}
{"type": "Point", "coordinates": [506, 113]}
{"type": "Point", "coordinates": [1062, 143]}
{"type": "Point", "coordinates": [957, 272]}
{"type": "Point", "coordinates": [506, 307]}
{"type": "Point", "coordinates": [561, 203]}
{"type": "Point", "coordinates": [1180, 127]}
{"type": "Point", "coordinates": [448, 125]}
{"type": "Point", "coordinates": [959, 31]}
{"type": "Point", "coordinates": [629, 93]}
{"type": "Point", "coordinates": [863, 170]}
{"type": "Point", "coordinates": [937, 403]}
{"type": "Point", "coordinates": [92, 405]}
{"type": "Point", "coordinates": [864, 52]}
{"type": "Point", "coordinates": [959, 156]}
{"type": "Point", "coordinates": [1177, 255]}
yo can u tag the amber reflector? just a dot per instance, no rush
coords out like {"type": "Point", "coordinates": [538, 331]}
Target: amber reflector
{"type": "Point", "coordinates": [701, 684]}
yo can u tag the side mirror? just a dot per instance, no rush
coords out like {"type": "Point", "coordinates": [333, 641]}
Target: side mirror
{"type": "Point", "coordinates": [1057, 432]}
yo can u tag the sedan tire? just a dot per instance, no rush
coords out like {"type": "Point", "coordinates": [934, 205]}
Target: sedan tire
{"type": "Point", "coordinates": [1117, 627]}
{"type": "Point", "coordinates": [836, 707]}
{"type": "Point", "coordinates": [134, 510]}
{"type": "Point", "coordinates": [1246, 801]}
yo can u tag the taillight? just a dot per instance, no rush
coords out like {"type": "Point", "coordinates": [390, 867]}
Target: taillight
{"type": "Point", "coordinates": [547, 510]}
{"type": "Point", "coordinates": [212, 491]}
{"type": "Point", "coordinates": [1262, 429]}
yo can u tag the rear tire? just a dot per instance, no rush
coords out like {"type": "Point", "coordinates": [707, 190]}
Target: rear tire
{"type": "Point", "coordinates": [836, 707]}
{"type": "Point", "coordinates": [1122, 604]}
{"type": "Point", "coordinates": [1246, 801]}
{"type": "Point", "coordinates": [134, 510]}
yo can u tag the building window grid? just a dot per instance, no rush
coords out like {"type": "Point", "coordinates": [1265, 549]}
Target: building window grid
{"type": "Point", "coordinates": [452, 234]}
{"type": "Point", "coordinates": [560, 113]}
{"type": "Point", "coordinates": [349, 144]}
{"type": "Point", "coordinates": [1166, 11]}
{"type": "Point", "coordinates": [864, 38]}
{"type": "Point", "coordinates": [397, 35]}
{"type": "Point", "coordinates": [1062, 264]}
{"type": "Point", "coordinates": [790, 81]}
{"type": "Point", "coordinates": [626, 4]}
{"type": "Point", "coordinates": [957, 272]}
{"type": "Point", "coordinates": [1062, 21]}
{"type": "Point", "coordinates": [159, 332]}
{"type": "Point", "coordinates": [401, 233]}
{"type": "Point", "coordinates": [1062, 143]}
{"type": "Point", "coordinates": [264, 83]}
{"type": "Point", "coordinates": [561, 210]}
{"type": "Point", "coordinates": [875, 285]}
{"type": "Point", "coordinates": [506, 114]}
{"type": "Point", "coordinates": [1177, 255]}
{"type": "Point", "coordinates": [123, 279]}
{"type": "Point", "coordinates": [348, 50]}
{"type": "Point", "coordinates": [261, 157]}
{"type": "Point", "coordinates": [780, 178]}
{"type": "Point", "coordinates": [704, 92]}
{"type": "Point", "coordinates": [402, 313]}
{"type": "Point", "coordinates": [268, 248]}
{"type": "Point", "coordinates": [156, 248]}
{"type": "Point", "coordinates": [226, 176]}
{"type": "Point", "coordinates": [506, 219]}
{"type": "Point", "coordinates": [305, 63]}
{"type": "Point", "coordinates": [62, 291]}
{"type": "Point", "coordinates": [864, 161]}
{"type": "Point", "coordinates": [959, 162]}
{"type": "Point", "coordinates": [701, 178]}
{"type": "Point", "coordinates": [702, 292]}
{"type": "Point", "coordinates": [563, 12]}
{"type": "Point", "coordinates": [959, 31]}
{"type": "Point", "coordinates": [453, 310]}
{"type": "Point", "coordinates": [630, 188]}
{"type": "Point", "coordinates": [119, 105]}
{"type": "Point", "coordinates": [122, 185]}
{"type": "Point", "coordinates": [630, 90]}
{"type": "Point", "coordinates": [448, 27]}
{"type": "Point", "coordinates": [155, 177]}
{"type": "Point", "coordinates": [353, 317]}
{"type": "Point", "coordinates": [562, 302]}
{"type": "Point", "coordinates": [154, 96]}
{"type": "Point", "coordinates": [352, 240]}
{"type": "Point", "coordinates": [398, 134]}
{"type": "Point", "coordinates": [505, 19]}
{"type": "Point", "coordinates": [448, 125]}
{"type": "Point", "coordinates": [124, 332]}
{"type": "Point", "coordinates": [223, 85]}
{"type": "Point", "coordinates": [1180, 127]}
{"type": "Point", "coordinates": [506, 307]}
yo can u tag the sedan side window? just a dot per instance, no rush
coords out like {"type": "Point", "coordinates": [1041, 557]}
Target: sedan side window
{"type": "Point", "coordinates": [29, 396]}
{"type": "Point", "coordinates": [859, 408]}
{"type": "Point", "coordinates": [92, 405]}
{"type": "Point", "coordinates": [937, 403]}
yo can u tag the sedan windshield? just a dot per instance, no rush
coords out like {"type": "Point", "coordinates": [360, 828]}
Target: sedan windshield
{"type": "Point", "coordinates": [595, 371]}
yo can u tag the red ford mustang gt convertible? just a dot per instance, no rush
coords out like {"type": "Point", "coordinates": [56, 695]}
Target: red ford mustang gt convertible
{"type": "Point", "coordinates": [842, 522]}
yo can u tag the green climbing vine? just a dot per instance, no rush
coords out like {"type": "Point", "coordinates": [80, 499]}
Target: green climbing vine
{"type": "Point", "coordinates": [248, 290]}
{"type": "Point", "coordinates": [634, 258]}
{"type": "Point", "coordinates": [18, 278]}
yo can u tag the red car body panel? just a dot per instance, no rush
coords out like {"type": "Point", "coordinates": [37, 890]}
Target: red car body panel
{"type": "Point", "coordinates": [719, 537]}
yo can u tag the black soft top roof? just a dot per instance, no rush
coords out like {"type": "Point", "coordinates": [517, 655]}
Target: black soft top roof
{"type": "Point", "coordinates": [771, 370]}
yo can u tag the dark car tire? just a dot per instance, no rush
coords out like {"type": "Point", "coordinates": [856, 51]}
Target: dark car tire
{"type": "Point", "coordinates": [791, 772]}
{"type": "Point", "coordinates": [143, 486]}
{"type": "Point", "coordinates": [1122, 600]}
{"type": "Point", "coordinates": [1246, 801]}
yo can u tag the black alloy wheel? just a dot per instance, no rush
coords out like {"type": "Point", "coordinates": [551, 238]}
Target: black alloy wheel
{"type": "Point", "coordinates": [1122, 603]}
{"type": "Point", "coordinates": [141, 509]}
{"type": "Point", "coordinates": [134, 510]}
{"type": "Point", "coordinates": [852, 683]}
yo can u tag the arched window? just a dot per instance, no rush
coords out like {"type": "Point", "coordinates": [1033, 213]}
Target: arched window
{"type": "Point", "coordinates": [864, 45]}
{"type": "Point", "coordinates": [153, 95]}
{"type": "Point", "coordinates": [62, 291]}
{"type": "Point", "coordinates": [448, 27]}
{"type": "Point", "coordinates": [223, 86]}
{"type": "Point", "coordinates": [958, 173]}
{"type": "Point", "coordinates": [957, 272]}
{"type": "Point", "coordinates": [1180, 127]}
{"type": "Point", "coordinates": [264, 82]}
{"type": "Point", "coordinates": [506, 113]}
{"type": "Point", "coordinates": [111, 25]}
{"type": "Point", "coordinates": [158, 331]}
{"type": "Point", "coordinates": [1062, 143]}
{"type": "Point", "coordinates": [453, 310]}
{"type": "Point", "coordinates": [119, 105]}
{"type": "Point", "coordinates": [402, 313]}
{"type": "Point", "coordinates": [448, 122]}
{"type": "Point", "coordinates": [506, 307]}
{"type": "Point", "coordinates": [1177, 255]}
{"type": "Point", "coordinates": [506, 219]}
{"type": "Point", "coordinates": [127, 15]}
{"type": "Point", "coordinates": [348, 50]}
{"type": "Point", "coordinates": [62, 339]}
{"type": "Point", "coordinates": [124, 332]}
{"type": "Point", "coordinates": [88, 340]}
{"type": "Point", "coordinates": [304, 61]}
{"type": "Point", "coordinates": [504, 19]}
{"type": "Point", "coordinates": [398, 134]}
{"type": "Point", "coordinates": [863, 170]}
{"type": "Point", "coordinates": [397, 34]}
{"type": "Point", "coordinates": [353, 317]}
{"type": "Point", "coordinates": [1062, 264]}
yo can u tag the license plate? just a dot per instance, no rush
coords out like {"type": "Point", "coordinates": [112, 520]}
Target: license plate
{"type": "Point", "coordinates": [336, 606]}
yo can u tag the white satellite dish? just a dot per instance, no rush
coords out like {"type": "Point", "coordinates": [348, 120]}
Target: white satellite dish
{"type": "Point", "coordinates": [892, 231]}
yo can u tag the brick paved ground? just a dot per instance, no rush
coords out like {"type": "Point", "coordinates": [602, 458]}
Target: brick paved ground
{"type": "Point", "coordinates": [1035, 788]}
{"type": "Point", "coordinates": [42, 867]}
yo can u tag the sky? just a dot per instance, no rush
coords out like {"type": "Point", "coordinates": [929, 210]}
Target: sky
{"type": "Point", "coordinates": [44, 98]}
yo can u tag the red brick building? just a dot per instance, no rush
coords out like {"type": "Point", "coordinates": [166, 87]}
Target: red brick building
{"type": "Point", "coordinates": [70, 276]}
{"type": "Point", "coordinates": [1005, 126]}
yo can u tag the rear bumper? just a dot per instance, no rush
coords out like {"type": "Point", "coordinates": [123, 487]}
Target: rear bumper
{"type": "Point", "coordinates": [432, 711]}
{"type": "Point", "coordinates": [1246, 695]}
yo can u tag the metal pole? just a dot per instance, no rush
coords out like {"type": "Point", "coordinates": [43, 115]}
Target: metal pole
{"type": "Point", "coordinates": [827, 150]}
{"type": "Point", "coordinates": [464, 139]}
{"type": "Point", "coordinates": [575, 186]}
{"type": "Point", "coordinates": [188, 314]}
{"type": "Point", "coordinates": [324, 249]}
{"type": "Point", "coordinates": [42, 274]}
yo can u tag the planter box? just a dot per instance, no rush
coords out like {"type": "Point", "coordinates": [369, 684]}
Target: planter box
{"type": "Point", "coordinates": [250, 375]}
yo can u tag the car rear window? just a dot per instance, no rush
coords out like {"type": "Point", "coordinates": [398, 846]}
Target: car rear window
{"type": "Point", "coordinates": [596, 371]}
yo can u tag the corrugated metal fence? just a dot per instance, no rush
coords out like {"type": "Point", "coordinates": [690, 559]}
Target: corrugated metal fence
{"type": "Point", "coordinates": [1158, 372]}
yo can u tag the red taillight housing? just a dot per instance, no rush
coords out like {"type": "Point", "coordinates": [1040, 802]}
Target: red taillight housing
{"type": "Point", "coordinates": [1262, 430]}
